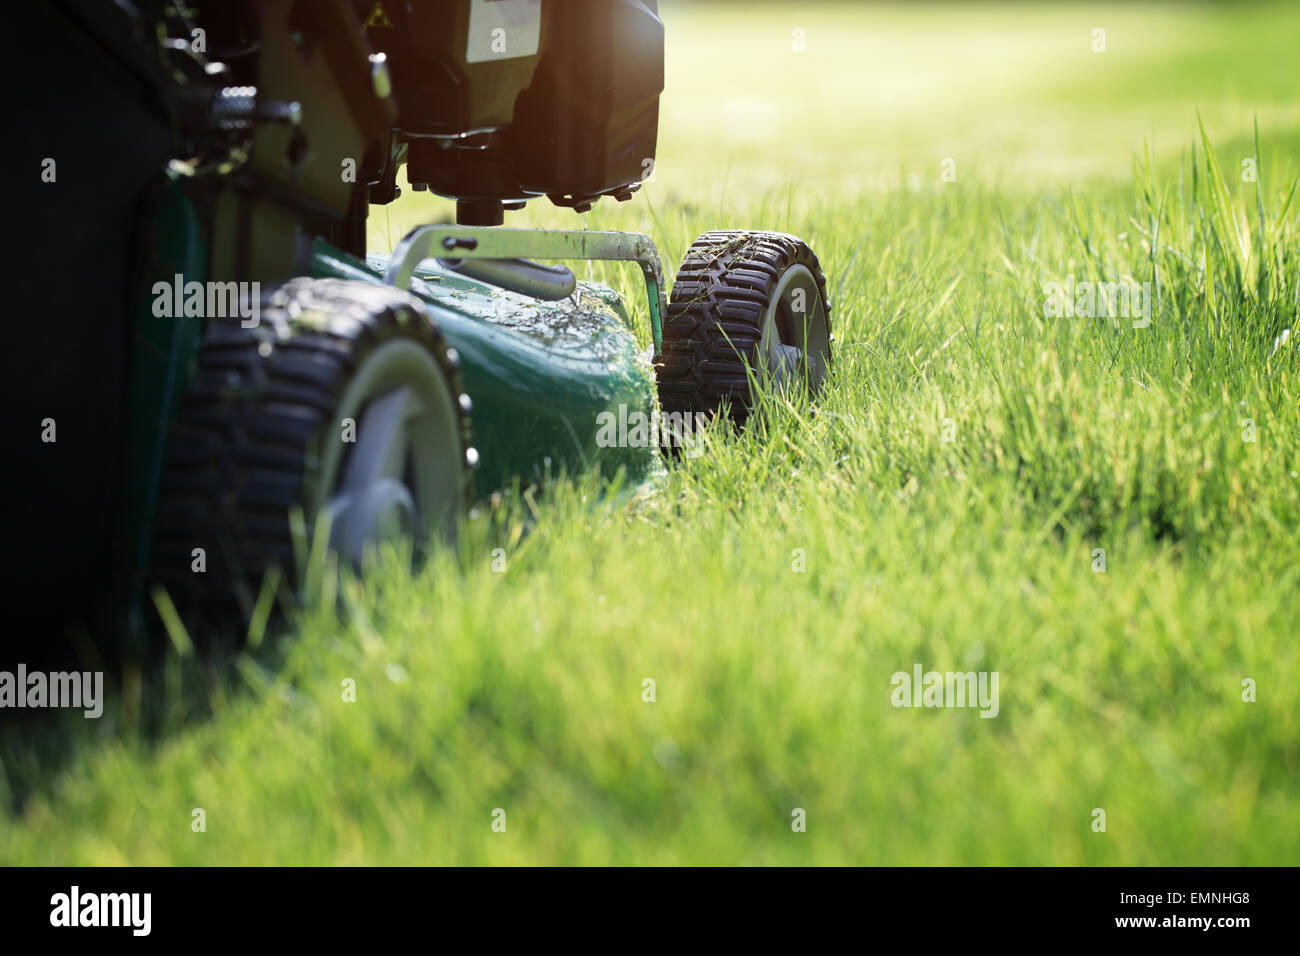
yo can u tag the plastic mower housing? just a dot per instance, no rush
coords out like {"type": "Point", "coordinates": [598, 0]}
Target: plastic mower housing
{"type": "Point", "coordinates": [502, 102]}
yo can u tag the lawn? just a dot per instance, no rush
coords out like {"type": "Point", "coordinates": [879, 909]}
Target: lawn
{"type": "Point", "coordinates": [1103, 511]}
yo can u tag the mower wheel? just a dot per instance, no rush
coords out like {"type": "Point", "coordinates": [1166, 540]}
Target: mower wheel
{"type": "Point", "coordinates": [343, 400]}
{"type": "Point", "coordinates": [747, 307]}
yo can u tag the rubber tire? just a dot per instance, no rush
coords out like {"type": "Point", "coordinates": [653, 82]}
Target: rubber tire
{"type": "Point", "coordinates": [259, 400]}
{"type": "Point", "coordinates": [715, 318]}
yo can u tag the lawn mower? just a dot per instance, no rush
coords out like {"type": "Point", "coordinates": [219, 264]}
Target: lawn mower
{"type": "Point", "coordinates": [218, 366]}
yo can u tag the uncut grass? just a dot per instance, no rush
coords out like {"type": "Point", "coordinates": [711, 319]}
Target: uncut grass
{"type": "Point", "coordinates": [1119, 690]}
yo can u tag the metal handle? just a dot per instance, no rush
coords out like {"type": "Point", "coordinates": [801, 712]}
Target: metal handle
{"type": "Point", "coordinates": [480, 243]}
{"type": "Point", "coordinates": [518, 275]}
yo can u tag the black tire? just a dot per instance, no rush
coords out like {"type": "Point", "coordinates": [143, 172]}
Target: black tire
{"type": "Point", "coordinates": [716, 317]}
{"type": "Point", "coordinates": [249, 437]}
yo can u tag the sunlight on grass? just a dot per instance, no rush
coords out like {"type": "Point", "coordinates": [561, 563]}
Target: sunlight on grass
{"type": "Point", "coordinates": [950, 493]}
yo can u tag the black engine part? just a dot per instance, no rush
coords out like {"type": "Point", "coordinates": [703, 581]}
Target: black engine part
{"type": "Point", "coordinates": [505, 100]}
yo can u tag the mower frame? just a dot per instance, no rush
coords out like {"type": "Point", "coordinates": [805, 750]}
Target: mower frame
{"type": "Point", "coordinates": [495, 242]}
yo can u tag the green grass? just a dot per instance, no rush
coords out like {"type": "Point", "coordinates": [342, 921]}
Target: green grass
{"type": "Point", "coordinates": [947, 494]}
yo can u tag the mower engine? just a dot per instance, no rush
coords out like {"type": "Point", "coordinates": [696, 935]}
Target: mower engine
{"type": "Point", "coordinates": [501, 101]}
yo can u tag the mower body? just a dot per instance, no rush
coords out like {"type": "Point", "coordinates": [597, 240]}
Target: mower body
{"type": "Point", "coordinates": [222, 376]}
{"type": "Point", "coordinates": [262, 168]}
